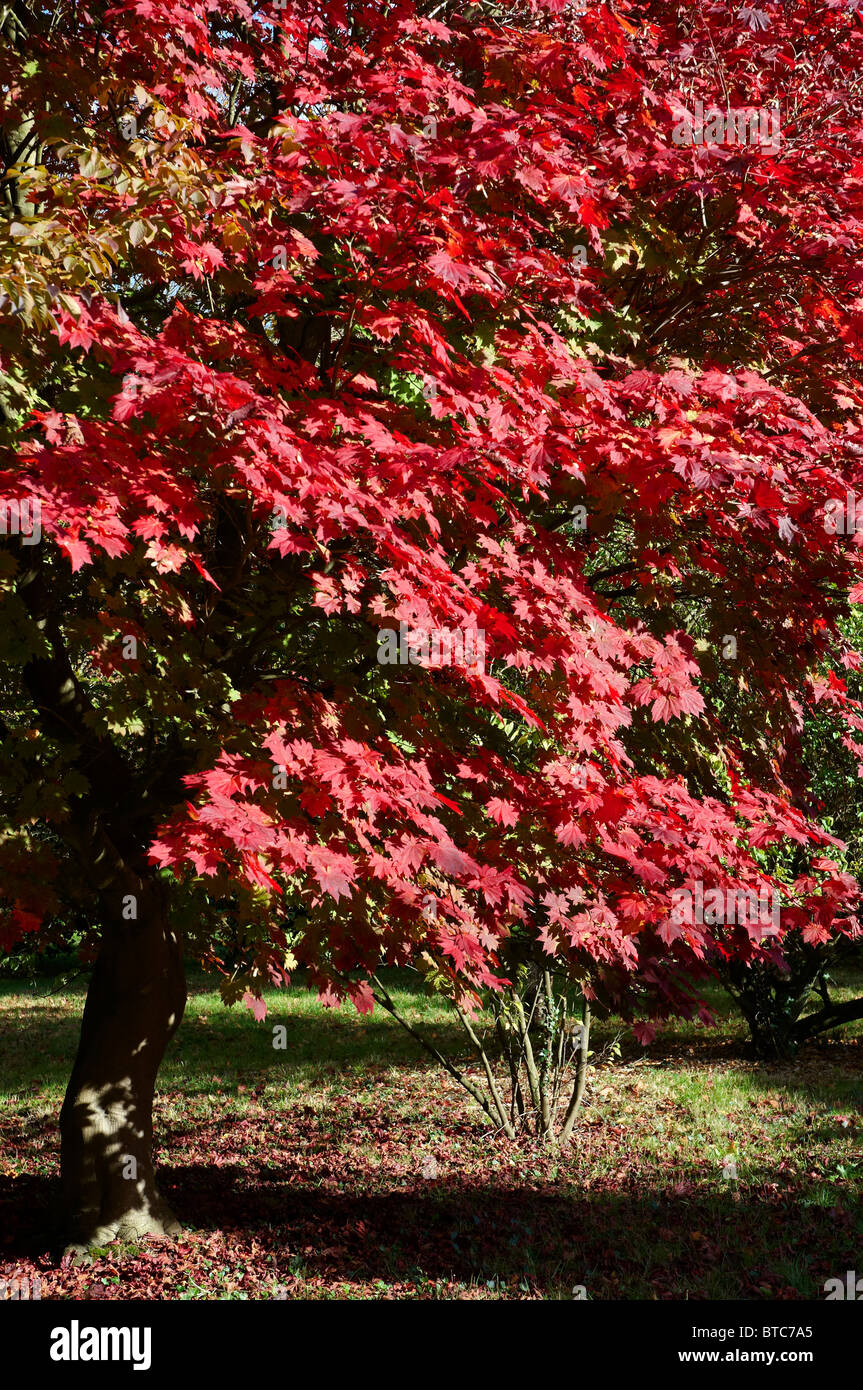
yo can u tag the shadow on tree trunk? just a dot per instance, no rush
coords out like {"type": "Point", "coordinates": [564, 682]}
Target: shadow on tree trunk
{"type": "Point", "coordinates": [134, 1006]}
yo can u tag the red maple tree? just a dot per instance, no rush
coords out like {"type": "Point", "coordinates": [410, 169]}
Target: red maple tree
{"type": "Point", "coordinates": [433, 451]}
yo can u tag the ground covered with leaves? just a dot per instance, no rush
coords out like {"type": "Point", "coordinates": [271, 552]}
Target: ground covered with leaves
{"type": "Point", "coordinates": [348, 1166]}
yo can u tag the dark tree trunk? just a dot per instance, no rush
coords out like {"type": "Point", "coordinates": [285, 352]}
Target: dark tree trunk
{"type": "Point", "coordinates": [772, 1042]}
{"type": "Point", "coordinates": [134, 1006]}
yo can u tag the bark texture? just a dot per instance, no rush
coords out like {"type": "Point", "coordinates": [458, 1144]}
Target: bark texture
{"type": "Point", "coordinates": [134, 1005]}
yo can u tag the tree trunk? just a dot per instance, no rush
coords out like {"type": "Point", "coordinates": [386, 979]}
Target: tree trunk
{"type": "Point", "coordinates": [134, 1006]}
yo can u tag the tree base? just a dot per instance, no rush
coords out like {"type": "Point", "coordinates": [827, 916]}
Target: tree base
{"type": "Point", "coordinates": [134, 1005]}
{"type": "Point", "coordinates": [154, 1219]}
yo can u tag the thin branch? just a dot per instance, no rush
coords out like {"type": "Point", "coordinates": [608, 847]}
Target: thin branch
{"type": "Point", "coordinates": [383, 998]}
{"type": "Point", "coordinates": [581, 1076]}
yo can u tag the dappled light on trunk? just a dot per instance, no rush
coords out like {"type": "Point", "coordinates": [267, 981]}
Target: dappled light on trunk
{"type": "Point", "coordinates": [134, 1006]}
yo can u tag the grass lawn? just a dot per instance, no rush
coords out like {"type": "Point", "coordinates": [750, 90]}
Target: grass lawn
{"type": "Point", "coordinates": [348, 1166]}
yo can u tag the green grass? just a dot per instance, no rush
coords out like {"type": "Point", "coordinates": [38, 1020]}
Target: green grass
{"type": "Point", "coordinates": [302, 1169]}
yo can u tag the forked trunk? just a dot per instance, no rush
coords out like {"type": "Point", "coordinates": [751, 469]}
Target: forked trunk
{"type": "Point", "coordinates": [134, 1006]}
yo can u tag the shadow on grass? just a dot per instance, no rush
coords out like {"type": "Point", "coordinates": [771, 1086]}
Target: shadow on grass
{"type": "Point", "coordinates": [38, 1048]}
{"type": "Point", "coordinates": [226, 1042]}
{"type": "Point", "coordinates": [39, 1041]}
{"type": "Point", "coordinates": [314, 1046]}
{"type": "Point", "coordinates": [547, 1238]}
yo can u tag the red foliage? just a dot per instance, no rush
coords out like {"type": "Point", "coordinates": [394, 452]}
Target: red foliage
{"type": "Point", "coordinates": [366, 221]}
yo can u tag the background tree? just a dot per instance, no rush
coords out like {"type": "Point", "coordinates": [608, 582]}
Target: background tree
{"type": "Point", "coordinates": [785, 998]}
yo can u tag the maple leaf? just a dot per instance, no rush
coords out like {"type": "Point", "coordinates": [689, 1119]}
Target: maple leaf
{"type": "Point", "coordinates": [755, 19]}
{"type": "Point", "coordinates": [333, 872]}
{"type": "Point", "coordinates": [645, 1033]}
{"type": "Point", "coordinates": [451, 272]}
{"type": "Point", "coordinates": [77, 550]}
{"type": "Point", "coordinates": [503, 812]}
{"type": "Point", "coordinates": [256, 1004]}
